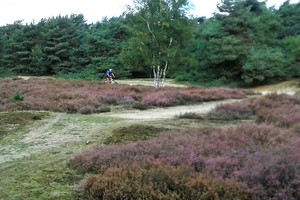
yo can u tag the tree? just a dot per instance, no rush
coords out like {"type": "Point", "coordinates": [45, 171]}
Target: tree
{"type": "Point", "coordinates": [105, 42]}
{"type": "Point", "coordinates": [63, 39]}
{"type": "Point", "coordinates": [160, 30]}
{"type": "Point", "coordinates": [231, 42]}
{"type": "Point", "coordinates": [290, 35]}
{"type": "Point", "coordinates": [289, 13]}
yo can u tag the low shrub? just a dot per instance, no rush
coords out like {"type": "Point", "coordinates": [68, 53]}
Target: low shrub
{"type": "Point", "coordinates": [140, 106]}
{"type": "Point", "coordinates": [281, 110]}
{"type": "Point", "coordinates": [233, 111]}
{"type": "Point", "coordinates": [18, 97]}
{"type": "Point", "coordinates": [191, 115]}
{"type": "Point", "coordinates": [159, 182]}
{"type": "Point", "coordinates": [264, 158]}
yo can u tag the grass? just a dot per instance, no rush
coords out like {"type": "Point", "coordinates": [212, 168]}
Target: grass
{"type": "Point", "coordinates": [35, 171]}
{"type": "Point", "coordinates": [41, 176]}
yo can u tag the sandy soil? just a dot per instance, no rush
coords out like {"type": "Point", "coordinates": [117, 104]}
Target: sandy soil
{"type": "Point", "coordinates": [287, 87]}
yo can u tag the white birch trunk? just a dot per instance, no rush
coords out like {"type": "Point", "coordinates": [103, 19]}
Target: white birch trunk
{"type": "Point", "coordinates": [159, 75]}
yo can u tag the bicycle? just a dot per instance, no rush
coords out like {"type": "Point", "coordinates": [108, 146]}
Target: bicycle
{"type": "Point", "coordinates": [110, 80]}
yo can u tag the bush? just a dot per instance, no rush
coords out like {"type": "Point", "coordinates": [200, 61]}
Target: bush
{"type": "Point", "coordinates": [18, 97]}
{"type": "Point", "coordinates": [159, 182]}
{"type": "Point", "coordinates": [281, 110]}
{"type": "Point", "coordinates": [233, 111]}
{"type": "Point", "coordinates": [191, 115]}
{"type": "Point", "coordinates": [264, 158]}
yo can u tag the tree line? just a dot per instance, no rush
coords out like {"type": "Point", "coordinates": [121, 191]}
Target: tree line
{"type": "Point", "coordinates": [244, 44]}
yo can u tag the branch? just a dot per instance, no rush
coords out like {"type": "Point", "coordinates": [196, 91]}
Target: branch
{"type": "Point", "coordinates": [149, 28]}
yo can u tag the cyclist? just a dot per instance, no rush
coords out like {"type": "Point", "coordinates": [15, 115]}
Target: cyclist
{"type": "Point", "coordinates": [109, 75]}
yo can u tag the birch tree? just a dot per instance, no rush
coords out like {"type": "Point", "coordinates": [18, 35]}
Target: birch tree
{"type": "Point", "coordinates": [160, 29]}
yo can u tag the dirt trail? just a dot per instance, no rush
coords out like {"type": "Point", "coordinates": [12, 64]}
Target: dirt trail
{"type": "Point", "coordinates": [170, 112]}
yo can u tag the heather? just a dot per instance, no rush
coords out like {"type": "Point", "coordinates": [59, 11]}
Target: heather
{"type": "Point", "coordinates": [256, 160]}
{"type": "Point", "coordinates": [159, 182]}
{"type": "Point", "coordinates": [74, 96]}
{"type": "Point", "coordinates": [281, 110]}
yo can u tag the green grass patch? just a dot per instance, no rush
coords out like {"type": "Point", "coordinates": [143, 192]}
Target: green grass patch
{"type": "Point", "coordinates": [11, 122]}
{"type": "Point", "coordinates": [92, 119]}
{"type": "Point", "coordinates": [133, 132]}
{"type": "Point", "coordinates": [39, 177]}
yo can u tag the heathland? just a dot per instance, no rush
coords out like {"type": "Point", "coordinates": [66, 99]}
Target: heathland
{"type": "Point", "coordinates": [71, 139]}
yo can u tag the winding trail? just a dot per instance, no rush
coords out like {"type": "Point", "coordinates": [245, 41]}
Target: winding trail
{"type": "Point", "coordinates": [170, 112]}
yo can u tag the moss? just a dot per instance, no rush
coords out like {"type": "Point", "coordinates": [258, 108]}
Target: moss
{"type": "Point", "coordinates": [11, 122]}
{"type": "Point", "coordinates": [133, 133]}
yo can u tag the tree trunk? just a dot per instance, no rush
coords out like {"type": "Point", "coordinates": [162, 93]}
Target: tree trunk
{"type": "Point", "coordinates": [159, 75]}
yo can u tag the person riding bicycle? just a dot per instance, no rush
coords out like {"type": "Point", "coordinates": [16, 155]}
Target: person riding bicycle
{"type": "Point", "coordinates": [109, 75]}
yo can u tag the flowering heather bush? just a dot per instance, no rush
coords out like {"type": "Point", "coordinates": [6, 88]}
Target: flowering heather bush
{"type": "Point", "coordinates": [233, 111]}
{"type": "Point", "coordinates": [90, 97]}
{"type": "Point", "coordinates": [207, 94]}
{"type": "Point", "coordinates": [264, 158]}
{"type": "Point", "coordinates": [282, 110]}
{"type": "Point", "coordinates": [162, 97]}
{"type": "Point", "coordinates": [159, 182]}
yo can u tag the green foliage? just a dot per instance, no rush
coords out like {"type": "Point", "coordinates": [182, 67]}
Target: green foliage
{"type": "Point", "coordinates": [241, 46]}
{"type": "Point", "coordinates": [264, 64]}
{"type": "Point", "coordinates": [160, 31]}
{"type": "Point", "coordinates": [105, 41]}
{"type": "Point", "coordinates": [18, 97]}
{"type": "Point", "coordinates": [220, 50]}
{"type": "Point", "coordinates": [292, 47]}
{"type": "Point", "coordinates": [289, 13]}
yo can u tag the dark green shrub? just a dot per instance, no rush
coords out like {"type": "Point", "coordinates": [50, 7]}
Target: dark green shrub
{"type": "Point", "coordinates": [18, 97]}
{"type": "Point", "coordinates": [190, 115]}
{"type": "Point", "coordinates": [140, 106]}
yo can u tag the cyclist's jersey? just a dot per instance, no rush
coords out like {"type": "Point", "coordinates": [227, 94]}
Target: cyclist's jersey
{"type": "Point", "coordinates": [108, 73]}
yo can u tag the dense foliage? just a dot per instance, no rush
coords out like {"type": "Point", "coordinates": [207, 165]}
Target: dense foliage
{"type": "Point", "coordinates": [245, 43]}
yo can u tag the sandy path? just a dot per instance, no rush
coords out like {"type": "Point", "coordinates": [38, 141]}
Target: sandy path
{"type": "Point", "coordinates": [170, 112]}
